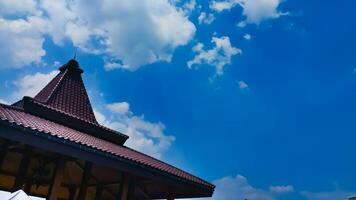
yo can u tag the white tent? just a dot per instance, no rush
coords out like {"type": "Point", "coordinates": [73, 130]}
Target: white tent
{"type": "Point", "coordinates": [19, 195]}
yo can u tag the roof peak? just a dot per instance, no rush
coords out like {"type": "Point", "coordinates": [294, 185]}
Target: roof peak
{"type": "Point", "coordinates": [66, 92]}
{"type": "Point", "coordinates": [71, 65]}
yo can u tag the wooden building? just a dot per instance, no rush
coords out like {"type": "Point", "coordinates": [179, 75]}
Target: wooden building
{"type": "Point", "coordinates": [52, 146]}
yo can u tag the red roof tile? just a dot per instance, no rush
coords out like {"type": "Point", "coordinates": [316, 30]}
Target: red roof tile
{"type": "Point", "coordinates": [17, 116]}
{"type": "Point", "coordinates": [66, 92]}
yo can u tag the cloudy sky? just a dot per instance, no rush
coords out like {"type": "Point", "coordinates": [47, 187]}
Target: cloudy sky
{"type": "Point", "coordinates": [256, 96]}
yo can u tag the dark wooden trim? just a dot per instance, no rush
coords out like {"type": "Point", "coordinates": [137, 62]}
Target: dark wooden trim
{"type": "Point", "coordinates": [85, 179]}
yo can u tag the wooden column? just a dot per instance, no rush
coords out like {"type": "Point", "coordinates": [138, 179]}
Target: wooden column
{"type": "Point", "coordinates": [98, 192]}
{"type": "Point", "coordinates": [85, 181]}
{"type": "Point", "coordinates": [124, 187]}
{"type": "Point", "coordinates": [72, 191]}
{"type": "Point", "coordinates": [3, 152]}
{"type": "Point", "coordinates": [127, 188]}
{"type": "Point", "coordinates": [58, 177]}
{"type": "Point", "coordinates": [170, 194]}
{"type": "Point", "coordinates": [22, 171]}
{"type": "Point", "coordinates": [132, 190]}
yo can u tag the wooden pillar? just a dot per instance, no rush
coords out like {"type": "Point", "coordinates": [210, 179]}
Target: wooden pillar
{"type": "Point", "coordinates": [124, 187]}
{"type": "Point", "coordinates": [85, 180]}
{"type": "Point", "coordinates": [3, 152]}
{"type": "Point", "coordinates": [58, 177]}
{"type": "Point", "coordinates": [28, 186]}
{"type": "Point", "coordinates": [170, 194]}
{"type": "Point", "coordinates": [132, 189]}
{"type": "Point", "coordinates": [22, 171]}
{"type": "Point", "coordinates": [98, 192]}
{"type": "Point", "coordinates": [72, 191]}
{"type": "Point", "coordinates": [127, 188]}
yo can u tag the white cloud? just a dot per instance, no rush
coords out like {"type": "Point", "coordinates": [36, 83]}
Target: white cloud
{"type": "Point", "coordinates": [255, 11]}
{"type": "Point", "coordinates": [247, 36]}
{"type": "Point", "coordinates": [120, 107]}
{"type": "Point", "coordinates": [145, 136]}
{"type": "Point", "coordinates": [329, 195]}
{"type": "Point", "coordinates": [130, 32]}
{"type": "Point", "coordinates": [282, 189]}
{"type": "Point", "coordinates": [109, 66]}
{"type": "Point", "coordinates": [21, 42]}
{"type": "Point", "coordinates": [31, 84]}
{"type": "Point", "coordinates": [219, 56]}
{"type": "Point", "coordinates": [189, 6]}
{"type": "Point", "coordinates": [242, 85]}
{"type": "Point", "coordinates": [8, 7]}
{"type": "Point", "coordinates": [232, 188]}
{"type": "Point", "coordinates": [100, 117]}
{"type": "Point", "coordinates": [238, 188]}
{"type": "Point", "coordinates": [206, 18]}
{"type": "Point", "coordinates": [4, 101]}
{"type": "Point", "coordinates": [220, 6]}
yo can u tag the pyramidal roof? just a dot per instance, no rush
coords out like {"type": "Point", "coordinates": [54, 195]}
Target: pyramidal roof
{"type": "Point", "coordinates": [65, 100]}
{"type": "Point", "coordinates": [67, 93]}
{"type": "Point", "coordinates": [61, 112]}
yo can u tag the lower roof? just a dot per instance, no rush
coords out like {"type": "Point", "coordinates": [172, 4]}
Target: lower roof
{"type": "Point", "coordinates": [14, 115]}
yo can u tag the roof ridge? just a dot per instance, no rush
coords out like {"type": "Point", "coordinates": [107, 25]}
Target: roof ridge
{"type": "Point", "coordinates": [55, 88]}
{"type": "Point", "coordinates": [13, 107]}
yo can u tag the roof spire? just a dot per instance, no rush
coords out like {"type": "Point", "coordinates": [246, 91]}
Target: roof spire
{"type": "Point", "coordinates": [75, 54]}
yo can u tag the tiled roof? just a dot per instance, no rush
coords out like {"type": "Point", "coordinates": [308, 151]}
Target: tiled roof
{"type": "Point", "coordinates": [14, 115]}
{"type": "Point", "coordinates": [66, 92]}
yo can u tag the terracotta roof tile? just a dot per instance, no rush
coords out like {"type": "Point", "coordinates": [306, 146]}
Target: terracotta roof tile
{"type": "Point", "coordinates": [15, 115]}
{"type": "Point", "coordinates": [66, 92]}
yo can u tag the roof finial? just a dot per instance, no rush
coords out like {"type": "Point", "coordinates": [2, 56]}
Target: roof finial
{"type": "Point", "coordinates": [75, 54]}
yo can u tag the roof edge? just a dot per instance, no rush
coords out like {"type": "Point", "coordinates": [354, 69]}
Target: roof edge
{"type": "Point", "coordinates": [205, 186]}
{"type": "Point", "coordinates": [37, 108]}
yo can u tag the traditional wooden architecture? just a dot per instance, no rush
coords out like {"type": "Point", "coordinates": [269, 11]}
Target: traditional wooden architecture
{"type": "Point", "coordinates": [52, 146]}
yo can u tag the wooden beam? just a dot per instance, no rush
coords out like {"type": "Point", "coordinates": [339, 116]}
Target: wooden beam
{"type": "Point", "coordinates": [85, 181]}
{"type": "Point", "coordinates": [58, 177]}
{"type": "Point", "coordinates": [22, 171]}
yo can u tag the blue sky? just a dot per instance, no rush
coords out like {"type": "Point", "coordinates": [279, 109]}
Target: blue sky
{"type": "Point", "coordinates": [257, 96]}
